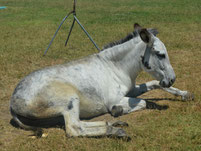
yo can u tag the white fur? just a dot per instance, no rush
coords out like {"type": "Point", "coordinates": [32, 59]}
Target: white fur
{"type": "Point", "coordinates": [91, 86]}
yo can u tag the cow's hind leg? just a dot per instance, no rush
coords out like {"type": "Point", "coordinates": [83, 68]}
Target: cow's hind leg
{"type": "Point", "coordinates": [75, 127]}
{"type": "Point", "coordinates": [127, 105]}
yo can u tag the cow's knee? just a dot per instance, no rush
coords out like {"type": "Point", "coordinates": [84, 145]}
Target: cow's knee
{"type": "Point", "coordinates": [117, 111]}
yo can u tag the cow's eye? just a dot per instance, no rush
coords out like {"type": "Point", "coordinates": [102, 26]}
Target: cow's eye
{"type": "Point", "coordinates": [161, 56]}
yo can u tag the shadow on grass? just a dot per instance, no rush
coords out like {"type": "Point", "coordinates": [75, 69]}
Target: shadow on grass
{"type": "Point", "coordinates": [152, 105]}
{"type": "Point", "coordinates": [57, 122]}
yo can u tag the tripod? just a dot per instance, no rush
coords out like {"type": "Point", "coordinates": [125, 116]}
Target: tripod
{"type": "Point", "coordinates": [75, 19]}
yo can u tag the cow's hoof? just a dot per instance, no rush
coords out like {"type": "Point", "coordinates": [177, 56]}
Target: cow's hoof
{"type": "Point", "coordinates": [188, 97]}
{"type": "Point", "coordinates": [117, 133]}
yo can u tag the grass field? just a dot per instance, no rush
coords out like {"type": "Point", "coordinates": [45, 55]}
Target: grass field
{"type": "Point", "coordinates": [26, 28]}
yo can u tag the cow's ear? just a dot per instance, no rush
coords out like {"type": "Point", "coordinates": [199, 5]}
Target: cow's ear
{"type": "Point", "coordinates": [137, 27]}
{"type": "Point", "coordinates": [145, 35]}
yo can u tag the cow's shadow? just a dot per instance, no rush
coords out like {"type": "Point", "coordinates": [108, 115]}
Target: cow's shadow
{"type": "Point", "coordinates": [150, 103]}
{"type": "Point", "coordinates": [56, 122]}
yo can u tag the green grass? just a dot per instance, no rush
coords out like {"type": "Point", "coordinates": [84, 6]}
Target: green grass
{"type": "Point", "coordinates": [26, 28]}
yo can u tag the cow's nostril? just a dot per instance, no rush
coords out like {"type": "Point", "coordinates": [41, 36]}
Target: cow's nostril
{"type": "Point", "coordinates": [172, 81]}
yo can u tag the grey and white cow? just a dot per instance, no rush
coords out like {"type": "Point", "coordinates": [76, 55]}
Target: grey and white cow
{"type": "Point", "coordinates": [98, 84]}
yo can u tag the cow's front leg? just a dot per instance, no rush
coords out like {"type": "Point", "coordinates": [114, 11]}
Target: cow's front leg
{"type": "Point", "coordinates": [143, 88]}
{"type": "Point", "coordinates": [185, 95]}
{"type": "Point", "coordinates": [127, 105]}
{"type": "Point", "coordinates": [152, 85]}
{"type": "Point", "coordinates": [75, 127]}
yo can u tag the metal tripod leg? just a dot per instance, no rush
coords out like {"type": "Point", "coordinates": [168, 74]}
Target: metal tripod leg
{"type": "Point", "coordinates": [87, 33]}
{"type": "Point", "coordinates": [70, 32]}
{"type": "Point", "coordinates": [75, 19]}
{"type": "Point", "coordinates": [57, 32]}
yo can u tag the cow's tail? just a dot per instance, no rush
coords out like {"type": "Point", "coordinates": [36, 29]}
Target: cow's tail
{"type": "Point", "coordinates": [37, 130]}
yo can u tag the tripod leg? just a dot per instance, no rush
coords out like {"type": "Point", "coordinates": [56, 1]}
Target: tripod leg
{"type": "Point", "coordinates": [70, 32]}
{"type": "Point", "coordinates": [87, 33]}
{"type": "Point", "coordinates": [56, 33]}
